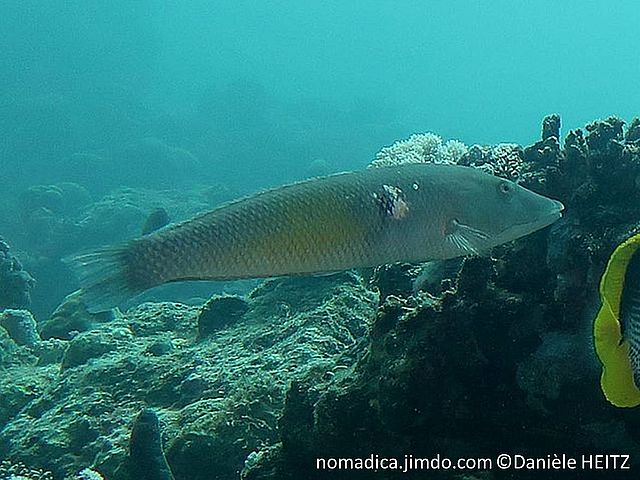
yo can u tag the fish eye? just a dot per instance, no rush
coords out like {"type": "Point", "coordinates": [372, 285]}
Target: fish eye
{"type": "Point", "coordinates": [505, 187]}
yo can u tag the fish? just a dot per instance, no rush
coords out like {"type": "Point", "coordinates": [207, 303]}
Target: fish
{"type": "Point", "coordinates": [402, 213]}
{"type": "Point", "coordinates": [616, 329]}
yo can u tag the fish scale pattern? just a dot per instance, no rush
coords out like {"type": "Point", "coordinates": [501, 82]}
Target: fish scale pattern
{"type": "Point", "coordinates": [351, 220]}
{"type": "Point", "coordinates": [289, 230]}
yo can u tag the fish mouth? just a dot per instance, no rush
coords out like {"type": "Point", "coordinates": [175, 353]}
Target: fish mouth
{"type": "Point", "coordinates": [559, 206]}
{"type": "Point", "coordinates": [551, 217]}
{"type": "Point", "coordinates": [521, 229]}
{"type": "Point", "coordinates": [554, 214]}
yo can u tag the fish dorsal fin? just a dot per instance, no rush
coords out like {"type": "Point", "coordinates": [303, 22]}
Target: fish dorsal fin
{"type": "Point", "coordinates": [471, 241]}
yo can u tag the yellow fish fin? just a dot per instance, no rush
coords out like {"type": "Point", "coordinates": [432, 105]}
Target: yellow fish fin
{"type": "Point", "coordinates": [616, 381]}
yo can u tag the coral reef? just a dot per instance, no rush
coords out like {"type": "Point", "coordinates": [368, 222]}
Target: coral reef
{"type": "Point", "coordinates": [15, 283]}
{"type": "Point", "coordinates": [471, 357]}
{"type": "Point", "coordinates": [146, 457]}
{"type": "Point", "coordinates": [503, 160]}
{"type": "Point", "coordinates": [19, 471]}
{"type": "Point", "coordinates": [220, 311]}
{"type": "Point", "coordinates": [229, 385]}
{"type": "Point", "coordinates": [21, 326]}
{"type": "Point", "coordinates": [501, 358]}
{"type": "Point", "coordinates": [89, 474]}
{"type": "Point", "coordinates": [551, 127]}
{"type": "Point", "coordinates": [418, 148]}
{"type": "Point", "coordinates": [42, 209]}
{"type": "Point", "coordinates": [72, 317]}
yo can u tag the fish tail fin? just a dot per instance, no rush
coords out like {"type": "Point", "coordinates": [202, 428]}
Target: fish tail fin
{"type": "Point", "coordinates": [104, 277]}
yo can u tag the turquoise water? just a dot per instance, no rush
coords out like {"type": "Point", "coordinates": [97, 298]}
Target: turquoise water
{"type": "Point", "coordinates": [308, 79]}
{"type": "Point", "coordinates": [119, 117]}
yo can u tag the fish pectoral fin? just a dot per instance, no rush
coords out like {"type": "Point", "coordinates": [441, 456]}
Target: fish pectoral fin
{"type": "Point", "coordinates": [469, 240]}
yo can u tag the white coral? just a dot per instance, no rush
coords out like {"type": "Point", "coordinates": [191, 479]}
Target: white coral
{"type": "Point", "coordinates": [454, 150]}
{"type": "Point", "coordinates": [420, 148]}
{"type": "Point", "coordinates": [89, 474]}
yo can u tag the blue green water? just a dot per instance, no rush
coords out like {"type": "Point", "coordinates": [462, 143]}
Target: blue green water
{"type": "Point", "coordinates": [282, 83]}
{"type": "Point", "coordinates": [118, 116]}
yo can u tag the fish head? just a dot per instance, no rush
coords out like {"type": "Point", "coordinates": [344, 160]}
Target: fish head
{"type": "Point", "coordinates": [490, 211]}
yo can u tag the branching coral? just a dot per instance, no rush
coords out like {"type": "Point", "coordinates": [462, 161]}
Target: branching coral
{"type": "Point", "coordinates": [420, 148]}
{"type": "Point", "coordinates": [503, 160]}
{"type": "Point", "coordinates": [19, 471]}
{"type": "Point", "coordinates": [89, 474]}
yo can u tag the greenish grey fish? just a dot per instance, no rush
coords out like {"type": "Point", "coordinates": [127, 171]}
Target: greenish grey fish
{"type": "Point", "coordinates": [406, 213]}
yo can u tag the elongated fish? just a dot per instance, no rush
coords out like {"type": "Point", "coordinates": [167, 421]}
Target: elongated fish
{"type": "Point", "coordinates": [407, 213]}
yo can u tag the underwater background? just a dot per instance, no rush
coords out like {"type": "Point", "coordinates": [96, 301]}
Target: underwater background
{"type": "Point", "coordinates": [117, 118]}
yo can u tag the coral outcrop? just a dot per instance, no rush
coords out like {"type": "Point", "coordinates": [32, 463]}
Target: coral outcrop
{"type": "Point", "coordinates": [230, 384]}
{"type": "Point", "coordinates": [419, 148]}
{"type": "Point", "coordinates": [501, 359]}
{"type": "Point", "coordinates": [219, 312]}
{"type": "Point", "coordinates": [21, 326]}
{"type": "Point", "coordinates": [472, 357]}
{"type": "Point", "coordinates": [146, 459]}
{"type": "Point", "coordinates": [15, 283]}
